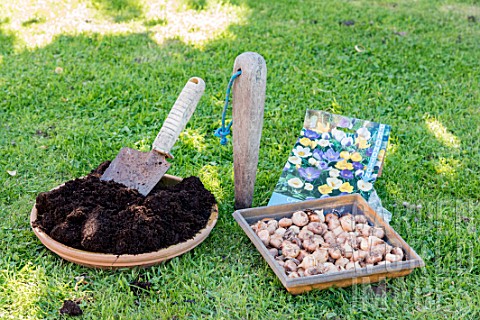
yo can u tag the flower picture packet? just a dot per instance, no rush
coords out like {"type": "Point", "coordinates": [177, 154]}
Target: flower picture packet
{"type": "Point", "coordinates": [334, 155]}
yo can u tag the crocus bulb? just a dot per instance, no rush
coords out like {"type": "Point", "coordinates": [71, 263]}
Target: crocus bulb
{"type": "Point", "coordinates": [347, 222]}
{"type": "Point", "coordinates": [285, 222]}
{"type": "Point", "coordinates": [290, 250]}
{"type": "Point", "coordinates": [264, 235]}
{"type": "Point", "coordinates": [300, 218]}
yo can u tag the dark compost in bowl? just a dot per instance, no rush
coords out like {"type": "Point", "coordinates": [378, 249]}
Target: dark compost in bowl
{"type": "Point", "coordinates": [107, 217]}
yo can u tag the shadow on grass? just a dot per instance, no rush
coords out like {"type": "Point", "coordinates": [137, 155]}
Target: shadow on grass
{"type": "Point", "coordinates": [112, 91]}
{"type": "Point", "coordinates": [120, 10]}
{"type": "Point", "coordinates": [95, 94]}
{"type": "Point", "coordinates": [194, 4]}
{"type": "Point", "coordinates": [7, 41]}
{"type": "Point", "coordinates": [127, 83]}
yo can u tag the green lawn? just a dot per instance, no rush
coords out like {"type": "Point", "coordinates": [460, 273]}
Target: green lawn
{"type": "Point", "coordinates": [79, 79]}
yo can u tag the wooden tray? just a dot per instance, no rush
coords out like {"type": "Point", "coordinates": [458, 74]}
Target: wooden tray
{"type": "Point", "coordinates": [112, 261]}
{"type": "Point", "coordinates": [354, 204]}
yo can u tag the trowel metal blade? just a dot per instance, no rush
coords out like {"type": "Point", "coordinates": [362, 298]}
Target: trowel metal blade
{"type": "Point", "coordinates": [137, 170]}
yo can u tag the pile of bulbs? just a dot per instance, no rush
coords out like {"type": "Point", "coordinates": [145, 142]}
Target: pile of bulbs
{"type": "Point", "coordinates": [311, 243]}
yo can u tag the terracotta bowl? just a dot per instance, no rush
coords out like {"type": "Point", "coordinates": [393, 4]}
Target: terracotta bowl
{"type": "Point", "coordinates": [112, 261]}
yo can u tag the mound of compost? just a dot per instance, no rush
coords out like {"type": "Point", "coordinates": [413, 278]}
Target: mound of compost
{"type": "Point", "coordinates": [108, 217]}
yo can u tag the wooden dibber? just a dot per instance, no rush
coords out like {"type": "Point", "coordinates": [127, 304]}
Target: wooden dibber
{"type": "Point", "coordinates": [247, 112]}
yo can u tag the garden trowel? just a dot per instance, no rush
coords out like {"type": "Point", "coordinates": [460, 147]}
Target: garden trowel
{"type": "Point", "coordinates": [143, 170]}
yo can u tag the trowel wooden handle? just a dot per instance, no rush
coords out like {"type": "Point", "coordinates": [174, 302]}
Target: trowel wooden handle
{"type": "Point", "coordinates": [179, 115]}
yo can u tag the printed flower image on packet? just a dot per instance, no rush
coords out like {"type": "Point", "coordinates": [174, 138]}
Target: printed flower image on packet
{"type": "Point", "coordinates": [334, 155]}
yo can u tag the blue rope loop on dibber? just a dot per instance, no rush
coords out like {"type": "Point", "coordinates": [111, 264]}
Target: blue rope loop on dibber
{"type": "Point", "coordinates": [224, 131]}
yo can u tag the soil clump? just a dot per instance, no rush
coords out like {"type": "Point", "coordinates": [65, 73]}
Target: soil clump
{"type": "Point", "coordinates": [108, 217]}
